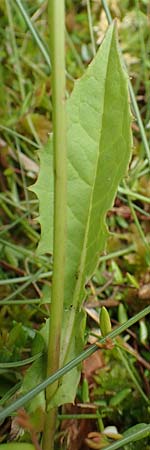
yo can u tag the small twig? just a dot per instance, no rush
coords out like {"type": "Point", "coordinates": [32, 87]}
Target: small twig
{"type": "Point", "coordinates": [97, 304]}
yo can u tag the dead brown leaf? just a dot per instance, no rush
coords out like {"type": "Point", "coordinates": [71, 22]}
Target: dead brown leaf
{"type": "Point", "coordinates": [93, 363]}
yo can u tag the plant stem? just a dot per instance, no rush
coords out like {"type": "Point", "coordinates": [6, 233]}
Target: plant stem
{"type": "Point", "coordinates": [56, 13]}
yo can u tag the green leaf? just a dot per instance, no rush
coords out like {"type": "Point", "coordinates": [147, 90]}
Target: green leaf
{"type": "Point", "coordinates": [68, 384]}
{"type": "Point", "coordinates": [99, 147]}
{"type": "Point", "coordinates": [44, 190]}
{"type": "Point", "coordinates": [119, 397]}
{"type": "Point", "coordinates": [34, 375]}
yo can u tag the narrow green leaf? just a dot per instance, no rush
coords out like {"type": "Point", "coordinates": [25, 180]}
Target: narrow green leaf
{"type": "Point", "coordinates": [17, 446]}
{"type": "Point", "coordinates": [136, 433]}
{"type": "Point", "coordinates": [99, 147]}
{"type": "Point", "coordinates": [140, 427]}
{"type": "Point", "coordinates": [119, 397]}
{"type": "Point", "coordinates": [23, 362]}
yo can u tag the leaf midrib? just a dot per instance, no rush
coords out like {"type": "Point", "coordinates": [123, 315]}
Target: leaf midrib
{"type": "Point", "coordinates": [78, 285]}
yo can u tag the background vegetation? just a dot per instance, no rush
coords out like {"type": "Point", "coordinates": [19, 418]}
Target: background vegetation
{"type": "Point", "coordinates": [114, 388]}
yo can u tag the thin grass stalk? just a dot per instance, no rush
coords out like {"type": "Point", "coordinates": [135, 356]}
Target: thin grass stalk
{"type": "Point", "coordinates": [131, 373]}
{"type": "Point", "coordinates": [20, 136]}
{"type": "Point", "coordinates": [37, 38]}
{"type": "Point", "coordinates": [69, 366]}
{"type": "Point", "coordinates": [56, 15]}
{"type": "Point", "coordinates": [132, 95]}
{"type": "Point", "coordinates": [15, 51]}
{"type": "Point", "coordinates": [137, 223]}
{"type": "Point", "coordinates": [91, 27]}
{"type": "Point", "coordinates": [135, 436]}
{"type": "Point", "coordinates": [133, 194]}
{"type": "Point", "coordinates": [33, 278]}
{"type": "Point", "coordinates": [34, 32]}
{"type": "Point", "coordinates": [18, 67]}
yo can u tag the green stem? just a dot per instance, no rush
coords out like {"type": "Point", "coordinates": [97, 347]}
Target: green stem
{"type": "Point", "coordinates": [117, 253]}
{"type": "Point", "coordinates": [78, 416]}
{"type": "Point", "coordinates": [133, 194]}
{"type": "Point", "coordinates": [17, 280]}
{"type": "Point", "coordinates": [56, 12]}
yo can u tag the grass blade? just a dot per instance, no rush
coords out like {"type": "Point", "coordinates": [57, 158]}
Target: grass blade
{"type": "Point", "coordinates": [75, 362]}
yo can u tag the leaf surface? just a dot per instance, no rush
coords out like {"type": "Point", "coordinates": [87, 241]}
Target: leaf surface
{"type": "Point", "coordinates": [33, 376]}
{"type": "Point", "coordinates": [98, 148]}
